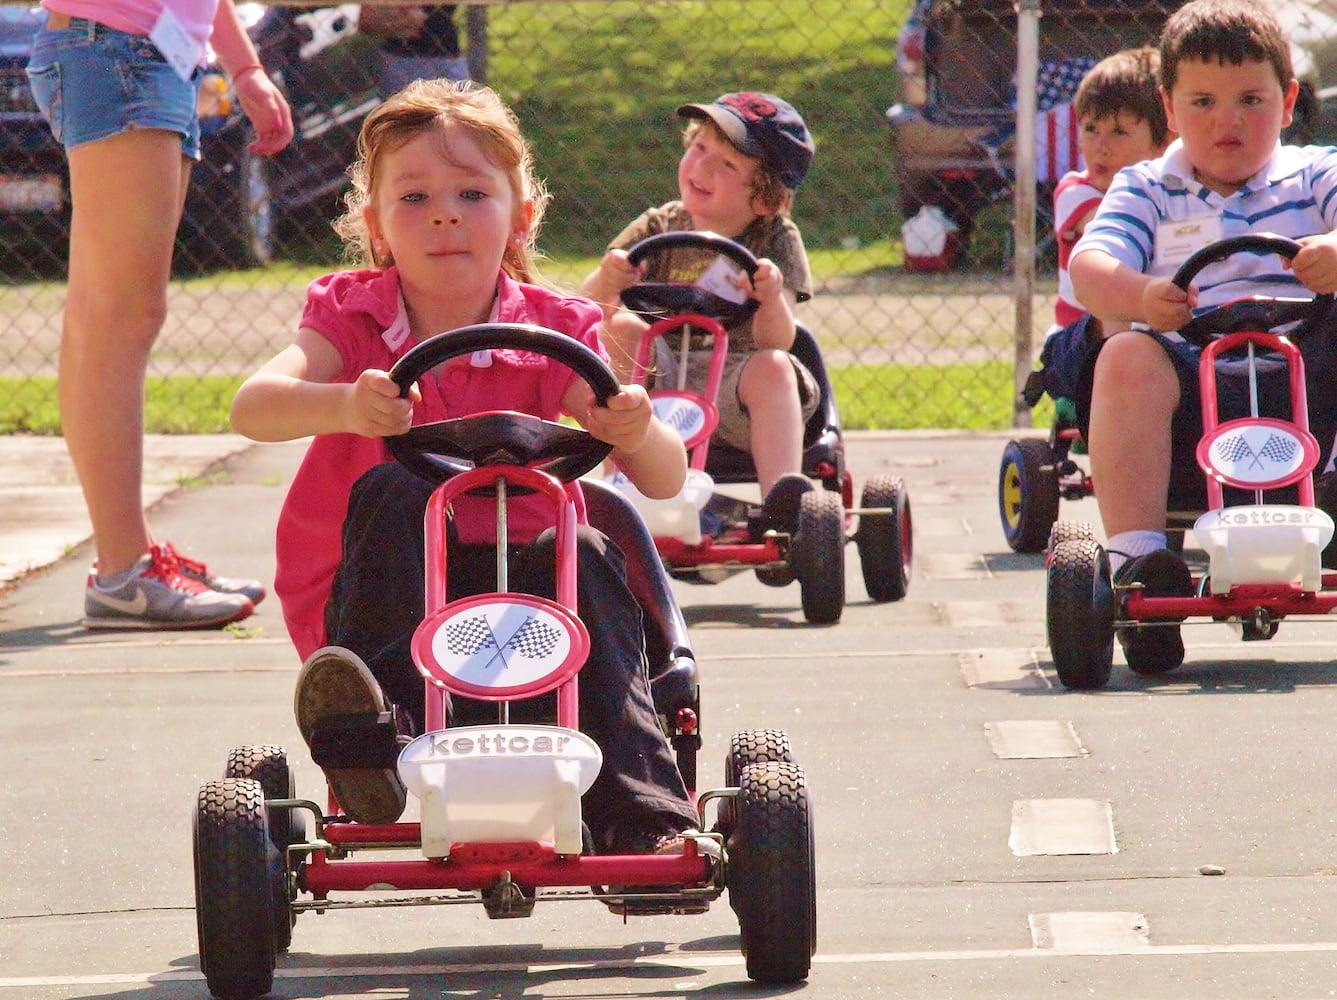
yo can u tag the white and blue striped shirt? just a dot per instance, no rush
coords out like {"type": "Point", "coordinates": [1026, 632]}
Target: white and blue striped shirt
{"type": "Point", "coordinates": [1294, 195]}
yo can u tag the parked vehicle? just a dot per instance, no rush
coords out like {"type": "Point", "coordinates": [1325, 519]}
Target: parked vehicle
{"type": "Point", "coordinates": [242, 209]}
{"type": "Point", "coordinates": [951, 130]}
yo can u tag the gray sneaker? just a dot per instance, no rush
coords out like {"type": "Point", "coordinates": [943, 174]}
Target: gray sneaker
{"type": "Point", "coordinates": [195, 570]}
{"type": "Point", "coordinates": [159, 596]}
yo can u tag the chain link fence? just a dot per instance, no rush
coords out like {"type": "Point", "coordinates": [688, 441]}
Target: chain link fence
{"type": "Point", "coordinates": [912, 105]}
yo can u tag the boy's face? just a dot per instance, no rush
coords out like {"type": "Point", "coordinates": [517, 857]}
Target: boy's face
{"type": "Point", "coordinates": [1229, 118]}
{"type": "Point", "coordinates": [1112, 142]}
{"type": "Point", "coordinates": [715, 184]}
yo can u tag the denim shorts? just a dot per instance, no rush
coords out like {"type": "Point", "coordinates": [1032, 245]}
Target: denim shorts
{"type": "Point", "coordinates": [92, 82]}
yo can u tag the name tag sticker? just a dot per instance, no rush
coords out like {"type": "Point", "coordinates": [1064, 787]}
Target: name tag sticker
{"type": "Point", "coordinates": [1178, 240]}
{"type": "Point", "coordinates": [722, 278]}
{"type": "Point", "coordinates": [182, 52]}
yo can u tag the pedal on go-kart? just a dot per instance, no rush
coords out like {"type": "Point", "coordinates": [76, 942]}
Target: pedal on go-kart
{"type": "Point", "coordinates": [500, 805]}
{"type": "Point", "coordinates": [1264, 554]}
{"type": "Point", "coordinates": [705, 535]}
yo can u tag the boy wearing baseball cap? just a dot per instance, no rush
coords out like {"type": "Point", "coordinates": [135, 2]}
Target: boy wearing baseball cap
{"type": "Point", "coordinates": [745, 155]}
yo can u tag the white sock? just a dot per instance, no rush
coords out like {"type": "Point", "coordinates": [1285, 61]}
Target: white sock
{"type": "Point", "coordinates": [1131, 544]}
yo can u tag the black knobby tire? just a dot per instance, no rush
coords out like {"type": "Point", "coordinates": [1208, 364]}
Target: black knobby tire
{"type": "Point", "coordinates": [885, 541]}
{"type": "Point", "coordinates": [1069, 531]}
{"type": "Point", "coordinates": [818, 556]}
{"type": "Point", "coordinates": [771, 873]}
{"type": "Point", "coordinates": [751, 746]}
{"type": "Point", "coordinates": [1079, 614]}
{"type": "Point", "coordinates": [233, 899]}
{"type": "Point", "coordinates": [1028, 493]}
{"type": "Point", "coordinates": [269, 766]}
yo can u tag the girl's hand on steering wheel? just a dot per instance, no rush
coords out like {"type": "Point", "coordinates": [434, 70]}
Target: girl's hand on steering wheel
{"type": "Point", "coordinates": [375, 408]}
{"type": "Point", "coordinates": [624, 422]}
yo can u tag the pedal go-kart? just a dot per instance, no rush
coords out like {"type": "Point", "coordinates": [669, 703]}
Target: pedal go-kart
{"type": "Point", "coordinates": [1263, 557]}
{"type": "Point", "coordinates": [500, 805]}
{"type": "Point", "coordinates": [705, 536]}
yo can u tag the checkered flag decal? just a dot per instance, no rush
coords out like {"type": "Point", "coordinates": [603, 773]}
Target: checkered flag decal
{"type": "Point", "coordinates": [1278, 449]}
{"type": "Point", "coordinates": [465, 638]}
{"type": "Point", "coordinates": [534, 639]}
{"type": "Point", "coordinates": [1234, 449]}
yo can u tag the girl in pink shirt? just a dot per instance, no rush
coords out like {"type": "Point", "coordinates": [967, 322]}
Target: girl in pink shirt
{"type": "Point", "coordinates": [445, 208]}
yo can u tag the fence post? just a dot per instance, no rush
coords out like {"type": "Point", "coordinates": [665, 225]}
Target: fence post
{"type": "Point", "coordinates": [1023, 201]}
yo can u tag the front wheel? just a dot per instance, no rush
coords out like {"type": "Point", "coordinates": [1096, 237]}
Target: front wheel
{"type": "Point", "coordinates": [269, 766]}
{"type": "Point", "coordinates": [771, 873]}
{"type": "Point", "coordinates": [751, 746]}
{"type": "Point", "coordinates": [817, 556]}
{"type": "Point", "coordinates": [233, 900]}
{"type": "Point", "coordinates": [1079, 614]}
{"type": "Point", "coordinates": [885, 540]}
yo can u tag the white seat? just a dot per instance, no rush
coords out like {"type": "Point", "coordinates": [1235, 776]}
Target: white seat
{"type": "Point", "coordinates": [678, 517]}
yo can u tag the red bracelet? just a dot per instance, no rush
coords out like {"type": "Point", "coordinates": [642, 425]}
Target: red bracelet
{"type": "Point", "coordinates": [247, 68]}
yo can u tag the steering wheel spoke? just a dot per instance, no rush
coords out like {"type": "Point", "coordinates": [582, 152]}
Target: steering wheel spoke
{"type": "Point", "coordinates": [655, 300]}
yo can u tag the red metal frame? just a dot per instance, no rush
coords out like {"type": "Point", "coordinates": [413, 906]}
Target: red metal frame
{"type": "Point", "coordinates": [1277, 600]}
{"type": "Point", "coordinates": [477, 866]}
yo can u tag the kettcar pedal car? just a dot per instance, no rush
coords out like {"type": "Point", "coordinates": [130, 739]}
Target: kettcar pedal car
{"type": "Point", "coordinates": [500, 805]}
{"type": "Point", "coordinates": [705, 536]}
{"type": "Point", "coordinates": [1263, 549]}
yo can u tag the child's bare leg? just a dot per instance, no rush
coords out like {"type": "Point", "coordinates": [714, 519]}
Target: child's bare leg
{"type": "Point", "coordinates": [621, 335]}
{"type": "Point", "coordinates": [1132, 402]}
{"type": "Point", "coordinates": [768, 389]}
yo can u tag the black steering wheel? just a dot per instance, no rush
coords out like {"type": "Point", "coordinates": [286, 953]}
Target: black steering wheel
{"type": "Point", "coordinates": [656, 300]}
{"type": "Point", "coordinates": [1256, 314]}
{"type": "Point", "coordinates": [445, 448]}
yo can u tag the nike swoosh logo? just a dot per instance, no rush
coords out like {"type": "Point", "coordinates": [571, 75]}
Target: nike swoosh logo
{"type": "Point", "coordinates": [136, 607]}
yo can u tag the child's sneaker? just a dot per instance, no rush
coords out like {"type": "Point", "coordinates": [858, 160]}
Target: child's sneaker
{"type": "Point", "coordinates": [159, 596]}
{"type": "Point", "coordinates": [1160, 573]}
{"type": "Point", "coordinates": [193, 569]}
{"type": "Point", "coordinates": [779, 511]}
{"type": "Point", "coordinates": [334, 683]}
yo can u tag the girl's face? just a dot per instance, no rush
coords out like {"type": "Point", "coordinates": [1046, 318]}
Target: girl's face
{"type": "Point", "coordinates": [715, 184]}
{"type": "Point", "coordinates": [1229, 118]}
{"type": "Point", "coordinates": [1113, 142]}
{"type": "Point", "coordinates": [445, 213]}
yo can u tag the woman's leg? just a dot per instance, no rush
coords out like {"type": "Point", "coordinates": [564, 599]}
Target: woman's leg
{"type": "Point", "coordinates": [127, 193]}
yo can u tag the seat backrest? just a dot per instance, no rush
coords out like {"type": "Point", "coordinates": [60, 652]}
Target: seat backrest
{"type": "Point", "coordinates": [666, 637]}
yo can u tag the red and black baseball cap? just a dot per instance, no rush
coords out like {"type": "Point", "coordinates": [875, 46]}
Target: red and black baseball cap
{"type": "Point", "coordinates": [762, 126]}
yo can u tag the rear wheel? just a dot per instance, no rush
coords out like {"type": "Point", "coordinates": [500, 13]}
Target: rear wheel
{"type": "Point", "coordinates": [269, 766]}
{"type": "Point", "coordinates": [818, 556]}
{"type": "Point", "coordinates": [885, 541]}
{"type": "Point", "coordinates": [1028, 493]}
{"type": "Point", "coordinates": [1079, 614]}
{"type": "Point", "coordinates": [233, 897]}
{"type": "Point", "coordinates": [771, 873]}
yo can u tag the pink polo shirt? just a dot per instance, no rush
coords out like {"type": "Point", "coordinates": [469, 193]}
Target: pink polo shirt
{"type": "Point", "coordinates": [362, 315]}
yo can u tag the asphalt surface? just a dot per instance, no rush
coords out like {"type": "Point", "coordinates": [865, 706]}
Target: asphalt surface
{"type": "Point", "coordinates": [981, 833]}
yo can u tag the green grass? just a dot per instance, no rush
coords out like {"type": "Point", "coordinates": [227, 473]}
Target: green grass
{"type": "Point", "coordinates": [178, 405]}
{"type": "Point", "coordinates": [979, 393]}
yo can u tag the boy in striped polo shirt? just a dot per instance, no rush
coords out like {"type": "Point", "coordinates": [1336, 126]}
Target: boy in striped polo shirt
{"type": "Point", "coordinates": [1229, 90]}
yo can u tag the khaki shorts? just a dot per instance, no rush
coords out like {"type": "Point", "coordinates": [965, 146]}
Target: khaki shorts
{"type": "Point", "coordinates": [735, 427]}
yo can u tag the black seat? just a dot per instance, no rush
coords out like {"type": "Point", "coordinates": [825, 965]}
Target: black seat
{"type": "Point", "coordinates": [823, 447]}
{"type": "Point", "coordinates": [674, 679]}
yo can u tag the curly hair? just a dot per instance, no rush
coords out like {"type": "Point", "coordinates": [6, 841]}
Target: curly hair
{"type": "Point", "coordinates": [426, 106]}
